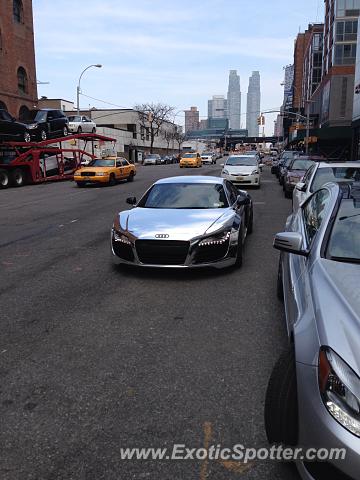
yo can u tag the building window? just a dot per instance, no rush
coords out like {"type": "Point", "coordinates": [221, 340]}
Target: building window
{"type": "Point", "coordinates": [345, 54]}
{"type": "Point", "coordinates": [347, 8]}
{"type": "Point", "coordinates": [22, 80]}
{"type": "Point", "coordinates": [18, 12]}
{"type": "Point", "coordinates": [3, 106]}
{"type": "Point", "coordinates": [346, 31]}
{"type": "Point", "coordinates": [24, 112]}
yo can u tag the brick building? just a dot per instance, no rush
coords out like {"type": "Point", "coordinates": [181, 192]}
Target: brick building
{"type": "Point", "coordinates": [191, 119]}
{"type": "Point", "coordinates": [18, 89]}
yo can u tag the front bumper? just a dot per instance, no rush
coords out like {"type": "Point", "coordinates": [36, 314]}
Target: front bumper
{"type": "Point", "coordinates": [243, 179]}
{"type": "Point", "coordinates": [318, 429]}
{"type": "Point", "coordinates": [188, 164]}
{"type": "Point", "coordinates": [195, 257]}
{"type": "Point", "coordinates": [93, 179]}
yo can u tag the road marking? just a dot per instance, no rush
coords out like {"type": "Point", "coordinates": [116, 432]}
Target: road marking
{"type": "Point", "coordinates": [207, 439]}
{"type": "Point", "coordinates": [236, 467]}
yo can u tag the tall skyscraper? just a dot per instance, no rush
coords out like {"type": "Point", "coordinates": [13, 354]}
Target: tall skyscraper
{"type": "Point", "coordinates": [234, 100]}
{"type": "Point", "coordinates": [191, 119]}
{"type": "Point", "coordinates": [253, 105]}
{"type": "Point", "coordinates": [217, 107]}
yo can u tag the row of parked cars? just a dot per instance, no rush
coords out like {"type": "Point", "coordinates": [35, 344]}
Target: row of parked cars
{"type": "Point", "coordinates": [313, 395]}
{"type": "Point", "coordinates": [42, 124]}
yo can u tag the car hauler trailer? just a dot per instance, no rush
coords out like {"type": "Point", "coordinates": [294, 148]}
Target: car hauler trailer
{"type": "Point", "coordinates": [37, 162]}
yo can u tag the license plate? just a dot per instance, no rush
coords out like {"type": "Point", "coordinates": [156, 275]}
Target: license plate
{"type": "Point", "coordinates": [240, 178]}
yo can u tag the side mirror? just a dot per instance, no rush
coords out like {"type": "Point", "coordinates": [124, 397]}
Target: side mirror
{"type": "Point", "coordinates": [242, 200]}
{"type": "Point", "coordinates": [290, 242]}
{"type": "Point", "coordinates": [131, 200]}
{"type": "Point", "coordinates": [301, 186]}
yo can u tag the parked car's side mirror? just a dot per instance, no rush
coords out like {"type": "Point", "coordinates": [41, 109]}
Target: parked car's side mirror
{"type": "Point", "coordinates": [131, 200]}
{"type": "Point", "coordinates": [301, 186]}
{"type": "Point", "coordinates": [242, 200]}
{"type": "Point", "coordinates": [291, 242]}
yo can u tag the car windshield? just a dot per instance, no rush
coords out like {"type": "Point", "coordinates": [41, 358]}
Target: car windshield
{"type": "Point", "coordinates": [74, 118]}
{"type": "Point", "coordinates": [100, 162]}
{"type": "Point", "coordinates": [185, 196]}
{"type": "Point", "coordinates": [244, 161]}
{"type": "Point", "coordinates": [37, 116]}
{"type": "Point", "coordinates": [344, 243]}
{"type": "Point", "coordinates": [189, 155]}
{"type": "Point", "coordinates": [334, 174]}
{"type": "Point", "coordinates": [301, 164]}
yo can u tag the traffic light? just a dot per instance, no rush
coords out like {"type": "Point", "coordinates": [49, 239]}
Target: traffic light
{"type": "Point", "coordinates": [261, 120]}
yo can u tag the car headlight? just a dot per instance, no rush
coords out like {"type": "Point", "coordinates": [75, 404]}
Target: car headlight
{"type": "Point", "coordinates": [219, 239]}
{"type": "Point", "coordinates": [118, 235]}
{"type": "Point", "coordinates": [101, 174]}
{"type": "Point", "coordinates": [31, 126]}
{"type": "Point", "coordinates": [255, 172]}
{"type": "Point", "coordinates": [225, 172]}
{"type": "Point", "coordinates": [340, 390]}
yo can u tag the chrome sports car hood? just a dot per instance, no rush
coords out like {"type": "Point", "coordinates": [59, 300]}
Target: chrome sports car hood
{"type": "Point", "coordinates": [181, 224]}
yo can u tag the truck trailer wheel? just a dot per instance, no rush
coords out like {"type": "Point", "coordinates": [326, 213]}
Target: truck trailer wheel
{"type": "Point", "coordinates": [4, 179]}
{"type": "Point", "coordinates": [18, 178]}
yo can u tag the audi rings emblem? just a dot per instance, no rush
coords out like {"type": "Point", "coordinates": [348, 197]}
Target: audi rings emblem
{"type": "Point", "coordinates": [162, 235]}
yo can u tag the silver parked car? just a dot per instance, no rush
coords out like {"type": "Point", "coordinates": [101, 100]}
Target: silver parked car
{"type": "Point", "coordinates": [313, 396]}
{"type": "Point", "coordinates": [321, 173]}
{"type": "Point", "coordinates": [81, 124]}
{"type": "Point", "coordinates": [190, 221]}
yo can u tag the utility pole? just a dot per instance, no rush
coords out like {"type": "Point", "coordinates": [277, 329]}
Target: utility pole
{"type": "Point", "coordinates": [307, 127]}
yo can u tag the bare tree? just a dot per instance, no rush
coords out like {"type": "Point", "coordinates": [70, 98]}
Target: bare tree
{"type": "Point", "coordinates": [169, 136]}
{"type": "Point", "coordinates": [153, 116]}
{"type": "Point", "coordinates": [179, 138]}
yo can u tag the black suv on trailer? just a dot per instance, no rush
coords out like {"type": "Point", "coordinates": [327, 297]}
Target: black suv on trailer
{"type": "Point", "coordinates": [11, 130]}
{"type": "Point", "coordinates": [47, 123]}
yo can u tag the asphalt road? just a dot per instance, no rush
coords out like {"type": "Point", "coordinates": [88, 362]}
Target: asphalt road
{"type": "Point", "coordinates": [95, 357]}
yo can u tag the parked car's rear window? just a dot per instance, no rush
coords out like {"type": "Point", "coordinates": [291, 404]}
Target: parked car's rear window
{"type": "Point", "coordinates": [344, 243]}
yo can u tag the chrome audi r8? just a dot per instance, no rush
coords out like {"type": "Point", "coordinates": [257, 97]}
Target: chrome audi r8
{"type": "Point", "coordinates": [183, 222]}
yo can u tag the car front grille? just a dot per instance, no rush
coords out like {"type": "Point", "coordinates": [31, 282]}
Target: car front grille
{"type": "Point", "coordinates": [162, 252]}
{"type": "Point", "coordinates": [88, 174]}
{"type": "Point", "coordinates": [211, 253]}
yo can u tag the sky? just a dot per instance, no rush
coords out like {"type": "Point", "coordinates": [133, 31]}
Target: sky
{"type": "Point", "coordinates": [178, 53]}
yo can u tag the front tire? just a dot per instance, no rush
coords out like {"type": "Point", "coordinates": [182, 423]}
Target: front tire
{"type": "Point", "coordinates": [112, 180]}
{"type": "Point", "coordinates": [79, 130]}
{"type": "Point", "coordinates": [281, 402]}
{"type": "Point", "coordinates": [65, 131]}
{"type": "Point", "coordinates": [131, 177]}
{"type": "Point", "coordinates": [239, 254]}
{"type": "Point", "coordinates": [279, 284]}
{"type": "Point", "coordinates": [80, 184]}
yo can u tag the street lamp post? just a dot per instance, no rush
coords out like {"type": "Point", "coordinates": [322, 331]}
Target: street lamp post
{"type": "Point", "coordinates": [97, 65]}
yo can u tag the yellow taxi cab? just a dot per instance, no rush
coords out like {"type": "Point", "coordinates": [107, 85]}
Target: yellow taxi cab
{"type": "Point", "coordinates": [190, 159]}
{"type": "Point", "coordinates": [107, 170]}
